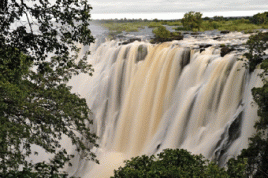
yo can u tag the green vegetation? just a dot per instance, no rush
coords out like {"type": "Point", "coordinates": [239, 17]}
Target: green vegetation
{"type": "Point", "coordinates": [260, 18]}
{"type": "Point", "coordinates": [257, 152]}
{"type": "Point", "coordinates": [257, 44]}
{"type": "Point", "coordinates": [172, 23]}
{"type": "Point", "coordinates": [231, 25]}
{"type": "Point", "coordinates": [162, 35]}
{"type": "Point", "coordinates": [36, 105]}
{"type": "Point", "coordinates": [192, 21]}
{"type": "Point", "coordinates": [161, 32]}
{"type": "Point", "coordinates": [117, 26]}
{"type": "Point", "coordinates": [177, 163]}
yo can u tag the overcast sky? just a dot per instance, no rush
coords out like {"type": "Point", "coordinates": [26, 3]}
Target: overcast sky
{"type": "Point", "coordinates": [120, 8]}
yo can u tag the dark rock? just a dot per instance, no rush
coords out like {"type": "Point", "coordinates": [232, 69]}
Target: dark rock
{"type": "Point", "coordinates": [177, 38]}
{"type": "Point", "coordinates": [195, 33]}
{"type": "Point", "coordinates": [205, 45]}
{"type": "Point", "coordinates": [134, 39]}
{"type": "Point", "coordinates": [231, 133]}
{"type": "Point", "coordinates": [217, 38]}
{"type": "Point", "coordinates": [142, 53]}
{"type": "Point", "coordinates": [226, 50]}
{"type": "Point", "coordinates": [120, 36]}
{"type": "Point", "coordinates": [225, 32]}
{"type": "Point", "coordinates": [130, 41]}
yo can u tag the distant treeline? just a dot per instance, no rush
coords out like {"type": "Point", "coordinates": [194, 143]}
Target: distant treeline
{"type": "Point", "coordinates": [260, 18]}
{"type": "Point", "coordinates": [192, 21]}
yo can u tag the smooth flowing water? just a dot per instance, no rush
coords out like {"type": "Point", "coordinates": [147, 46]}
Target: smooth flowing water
{"type": "Point", "coordinates": [145, 98]}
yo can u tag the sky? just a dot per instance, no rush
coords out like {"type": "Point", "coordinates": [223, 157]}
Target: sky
{"type": "Point", "coordinates": [174, 9]}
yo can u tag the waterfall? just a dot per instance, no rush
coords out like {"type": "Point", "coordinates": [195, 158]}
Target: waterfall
{"type": "Point", "coordinates": [145, 98]}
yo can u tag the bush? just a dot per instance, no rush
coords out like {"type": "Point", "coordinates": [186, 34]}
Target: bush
{"type": "Point", "coordinates": [192, 20]}
{"type": "Point", "coordinates": [161, 32]}
{"type": "Point", "coordinates": [175, 163]}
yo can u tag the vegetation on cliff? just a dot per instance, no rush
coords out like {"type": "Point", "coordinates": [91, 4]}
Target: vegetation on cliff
{"type": "Point", "coordinates": [257, 152]}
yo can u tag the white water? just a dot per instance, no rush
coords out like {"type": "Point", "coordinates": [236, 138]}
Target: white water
{"type": "Point", "coordinates": [146, 98]}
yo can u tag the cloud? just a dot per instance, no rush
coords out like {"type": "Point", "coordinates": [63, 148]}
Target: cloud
{"type": "Point", "coordinates": [175, 6]}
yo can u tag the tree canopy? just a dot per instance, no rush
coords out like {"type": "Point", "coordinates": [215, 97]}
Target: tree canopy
{"type": "Point", "coordinates": [192, 20]}
{"type": "Point", "coordinates": [38, 55]}
{"type": "Point", "coordinates": [175, 163]}
{"type": "Point", "coordinates": [161, 32]}
{"type": "Point", "coordinates": [260, 18]}
{"type": "Point", "coordinates": [257, 152]}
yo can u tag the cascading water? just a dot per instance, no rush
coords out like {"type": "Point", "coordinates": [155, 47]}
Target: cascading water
{"type": "Point", "coordinates": [145, 98]}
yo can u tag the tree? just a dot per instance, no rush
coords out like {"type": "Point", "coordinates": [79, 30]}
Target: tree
{"type": "Point", "coordinates": [256, 44]}
{"type": "Point", "coordinates": [175, 163]}
{"type": "Point", "coordinates": [257, 152]}
{"type": "Point", "coordinates": [260, 18]}
{"type": "Point", "coordinates": [38, 55]}
{"type": "Point", "coordinates": [161, 32]}
{"type": "Point", "coordinates": [192, 20]}
{"type": "Point", "coordinates": [218, 18]}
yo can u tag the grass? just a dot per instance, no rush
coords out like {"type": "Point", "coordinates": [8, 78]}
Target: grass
{"type": "Point", "coordinates": [231, 25]}
{"type": "Point", "coordinates": [244, 25]}
{"type": "Point", "coordinates": [118, 27]}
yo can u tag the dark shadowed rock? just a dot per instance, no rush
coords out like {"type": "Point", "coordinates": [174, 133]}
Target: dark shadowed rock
{"type": "Point", "coordinates": [217, 38]}
{"type": "Point", "coordinates": [195, 33]}
{"type": "Point", "coordinates": [225, 32]}
{"type": "Point", "coordinates": [130, 41]}
{"type": "Point", "coordinates": [226, 50]}
{"type": "Point", "coordinates": [204, 46]}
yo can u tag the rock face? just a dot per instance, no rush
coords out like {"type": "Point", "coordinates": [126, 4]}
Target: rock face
{"type": "Point", "coordinates": [226, 50]}
{"type": "Point", "coordinates": [217, 38]}
{"type": "Point", "coordinates": [204, 46]}
{"type": "Point", "coordinates": [225, 32]}
{"type": "Point", "coordinates": [131, 40]}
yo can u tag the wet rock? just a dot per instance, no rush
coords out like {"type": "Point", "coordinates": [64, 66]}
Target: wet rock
{"type": "Point", "coordinates": [226, 50]}
{"type": "Point", "coordinates": [195, 33]}
{"type": "Point", "coordinates": [217, 38]}
{"type": "Point", "coordinates": [204, 46]}
{"type": "Point", "coordinates": [225, 32]}
{"type": "Point", "coordinates": [202, 49]}
{"type": "Point", "coordinates": [130, 41]}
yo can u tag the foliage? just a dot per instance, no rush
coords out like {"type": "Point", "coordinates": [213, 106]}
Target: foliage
{"type": "Point", "coordinates": [237, 167]}
{"type": "Point", "coordinates": [257, 44]}
{"type": "Point", "coordinates": [127, 27]}
{"type": "Point", "coordinates": [192, 20]}
{"type": "Point", "coordinates": [173, 23]}
{"type": "Point", "coordinates": [257, 152]}
{"type": "Point", "coordinates": [176, 163]}
{"type": "Point", "coordinates": [218, 18]}
{"type": "Point", "coordinates": [217, 22]}
{"type": "Point", "coordinates": [161, 32]}
{"type": "Point", "coordinates": [36, 105]}
{"type": "Point", "coordinates": [260, 18]}
{"type": "Point", "coordinates": [231, 25]}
